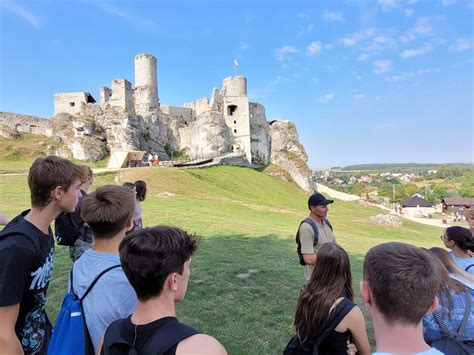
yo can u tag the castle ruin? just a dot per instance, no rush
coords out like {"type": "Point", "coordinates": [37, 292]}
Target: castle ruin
{"type": "Point", "coordinates": [131, 118]}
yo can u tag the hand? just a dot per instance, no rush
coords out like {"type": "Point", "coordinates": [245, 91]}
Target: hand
{"type": "Point", "coordinates": [351, 348]}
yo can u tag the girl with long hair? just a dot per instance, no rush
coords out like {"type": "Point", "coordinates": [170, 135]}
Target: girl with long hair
{"type": "Point", "coordinates": [455, 305]}
{"type": "Point", "coordinates": [454, 271]}
{"type": "Point", "coordinates": [328, 294]}
{"type": "Point", "coordinates": [461, 242]}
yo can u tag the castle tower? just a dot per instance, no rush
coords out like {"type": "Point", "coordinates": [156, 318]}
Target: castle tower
{"type": "Point", "coordinates": [146, 84]}
{"type": "Point", "coordinates": [235, 104]}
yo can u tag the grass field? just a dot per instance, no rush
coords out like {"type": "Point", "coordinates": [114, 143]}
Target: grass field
{"type": "Point", "coordinates": [245, 276]}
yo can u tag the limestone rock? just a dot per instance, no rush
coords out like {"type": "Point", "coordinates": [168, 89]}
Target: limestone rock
{"type": "Point", "coordinates": [289, 153]}
{"type": "Point", "coordinates": [209, 135]}
{"type": "Point", "coordinates": [387, 220]}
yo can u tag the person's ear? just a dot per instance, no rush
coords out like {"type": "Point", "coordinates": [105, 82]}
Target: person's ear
{"type": "Point", "coordinates": [174, 281]}
{"type": "Point", "coordinates": [129, 224]}
{"type": "Point", "coordinates": [365, 292]}
{"type": "Point", "coordinates": [57, 192]}
{"type": "Point", "coordinates": [433, 306]}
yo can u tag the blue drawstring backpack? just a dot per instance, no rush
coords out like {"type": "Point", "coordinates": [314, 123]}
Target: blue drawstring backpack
{"type": "Point", "coordinates": [70, 334]}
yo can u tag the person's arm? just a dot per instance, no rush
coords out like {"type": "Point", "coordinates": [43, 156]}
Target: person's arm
{"type": "Point", "coordinates": [307, 247]}
{"type": "Point", "coordinates": [200, 344]}
{"type": "Point", "coordinates": [356, 325]}
{"type": "Point", "coordinates": [99, 348]}
{"type": "Point", "coordinates": [3, 220]}
{"type": "Point", "coordinates": [9, 342]}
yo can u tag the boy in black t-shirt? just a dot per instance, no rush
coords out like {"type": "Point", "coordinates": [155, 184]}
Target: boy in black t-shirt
{"type": "Point", "coordinates": [27, 256]}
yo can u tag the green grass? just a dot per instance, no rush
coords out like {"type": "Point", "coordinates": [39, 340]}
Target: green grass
{"type": "Point", "coordinates": [247, 221]}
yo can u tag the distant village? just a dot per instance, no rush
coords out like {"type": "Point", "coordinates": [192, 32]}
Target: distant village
{"type": "Point", "coordinates": [444, 193]}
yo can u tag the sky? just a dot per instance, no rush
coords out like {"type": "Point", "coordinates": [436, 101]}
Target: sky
{"type": "Point", "coordinates": [374, 81]}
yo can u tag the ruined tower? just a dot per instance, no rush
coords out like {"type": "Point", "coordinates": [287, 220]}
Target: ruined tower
{"type": "Point", "coordinates": [235, 104]}
{"type": "Point", "coordinates": [146, 84]}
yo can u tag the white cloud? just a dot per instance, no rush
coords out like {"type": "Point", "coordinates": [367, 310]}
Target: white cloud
{"type": "Point", "coordinates": [387, 4]}
{"type": "Point", "coordinates": [281, 53]}
{"type": "Point", "coordinates": [448, 2]}
{"type": "Point", "coordinates": [277, 80]}
{"type": "Point", "coordinates": [20, 11]}
{"type": "Point", "coordinates": [409, 12]}
{"type": "Point", "coordinates": [303, 30]}
{"type": "Point", "coordinates": [333, 16]}
{"type": "Point", "coordinates": [303, 15]}
{"type": "Point", "coordinates": [358, 97]}
{"type": "Point", "coordinates": [326, 97]}
{"type": "Point", "coordinates": [415, 52]}
{"type": "Point", "coordinates": [382, 66]}
{"type": "Point", "coordinates": [422, 27]}
{"type": "Point", "coordinates": [410, 75]}
{"type": "Point", "coordinates": [313, 48]}
{"type": "Point", "coordinates": [363, 57]}
{"type": "Point", "coordinates": [355, 38]}
{"type": "Point", "coordinates": [244, 45]}
{"type": "Point", "coordinates": [128, 15]}
{"type": "Point", "coordinates": [461, 44]}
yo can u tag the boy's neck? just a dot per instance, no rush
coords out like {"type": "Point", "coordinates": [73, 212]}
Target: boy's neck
{"type": "Point", "coordinates": [154, 309]}
{"type": "Point", "coordinates": [109, 245]}
{"type": "Point", "coordinates": [41, 218]}
{"type": "Point", "coordinates": [460, 253]}
{"type": "Point", "coordinates": [397, 337]}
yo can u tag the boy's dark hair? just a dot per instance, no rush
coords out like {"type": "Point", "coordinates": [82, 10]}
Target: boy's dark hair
{"type": "Point", "coordinates": [403, 279]}
{"type": "Point", "coordinates": [149, 255]}
{"type": "Point", "coordinates": [88, 173]}
{"type": "Point", "coordinates": [108, 209]}
{"type": "Point", "coordinates": [140, 186]}
{"type": "Point", "coordinates": [48, 173]}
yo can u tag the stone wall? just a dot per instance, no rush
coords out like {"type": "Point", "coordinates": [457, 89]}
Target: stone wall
{"type": "Point", "coordinates": [122, 95]}
{"type": "Point", "coordinates": [259, 138]}
{"type": "Point", "coordinates": [71, 102]}
{"type": "Point", "coordinates": [25, 123]}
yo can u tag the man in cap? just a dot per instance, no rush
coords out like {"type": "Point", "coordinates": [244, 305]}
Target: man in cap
{"type": "Point", "coordinates": [314, 231]}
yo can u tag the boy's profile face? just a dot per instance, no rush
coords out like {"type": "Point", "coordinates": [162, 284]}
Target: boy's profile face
{"type": "Point", "coordinates": [70, 197]}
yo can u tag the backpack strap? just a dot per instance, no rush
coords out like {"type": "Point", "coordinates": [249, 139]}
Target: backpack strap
{"type": "Point", "coordinates": [460, 333]}
{"type": "Point", "coordinates": [167, 337]}
{"type": "Point", "coordinates": [315, 229]}
{"type": "Point", "coordinates": [466, 269]}
{"type": "Point", "coordinates": [340, 311]}
{"type": "Point", "coordinates": [112, 336]}
{"type": "Point", "coordinates": [95, 280]}
{"type": "Point", "coordinates": [328, 223]}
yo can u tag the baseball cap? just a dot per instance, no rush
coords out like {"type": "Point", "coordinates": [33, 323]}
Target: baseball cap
{"type": "Point", "coordinates": [318, 199]}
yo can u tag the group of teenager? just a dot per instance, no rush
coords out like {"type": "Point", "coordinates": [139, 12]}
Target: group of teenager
{"type": "Point", "coordinates": [419, 300]}
{"type": "Point", "coordinates": [131, 309]}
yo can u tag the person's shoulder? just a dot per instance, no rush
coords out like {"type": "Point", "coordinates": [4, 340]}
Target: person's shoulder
{"type": "Point", "coordinates": [200, 344]}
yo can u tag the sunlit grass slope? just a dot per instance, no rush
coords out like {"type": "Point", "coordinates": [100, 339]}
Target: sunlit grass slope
{"type": "Point", "coordinates": [245, 275]}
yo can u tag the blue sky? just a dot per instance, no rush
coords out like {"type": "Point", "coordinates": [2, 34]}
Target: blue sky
{"type": "Point", "coordinates": [364, 81]}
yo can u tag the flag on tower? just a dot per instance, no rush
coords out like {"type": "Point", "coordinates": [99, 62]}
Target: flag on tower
{"type": "Point", "coordinates": [235, 62]}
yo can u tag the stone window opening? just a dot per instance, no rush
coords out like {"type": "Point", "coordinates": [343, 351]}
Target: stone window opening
{"type": "Point", "coordinates": [258, 111]}
{"type": "Point", "coordinates": [72, 104]}
{"type": "Point", "coordinates": [235, 122]}
{"type": "Point", "coordinates": [235, 131]}
{"type": "Point", "coordinates": [231, 109]}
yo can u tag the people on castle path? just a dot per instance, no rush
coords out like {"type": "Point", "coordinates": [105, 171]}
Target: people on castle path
{"type": "Point", "coordinates": [85, 239]}
{"type": "Point", "coordinates": [140, 188]}
{"type": "Point", "coordinates": [470, 219]}
{"type": "Point", "coordinates": [137, 214]}
{"type": "Point", "coordinates": [156, 159]}
{"type": "Point", "coordinates": [318, 207]}
{"type": "Point", "coordinates": [454, 297]}
{"type": "Point", "coordinates": [3, 220]}
{"type": "Point", "coordinates": [157, 263]}
{"type": "Point", "coordinates": [27, 255]}
{"type": "Point", "coordinates": [461, 242]}
{"type": "Point", "coordinates": [399, 287]}
{"type": "Point", "coordinates": [150, 159]}
{"type": "Point", "coordinates": [329, 294]}
{"type": "Point", "coordinates": [108, 211]}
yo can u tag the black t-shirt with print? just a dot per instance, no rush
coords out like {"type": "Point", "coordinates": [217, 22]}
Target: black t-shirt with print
{"type": "Point", "coordinates": [26, 262]}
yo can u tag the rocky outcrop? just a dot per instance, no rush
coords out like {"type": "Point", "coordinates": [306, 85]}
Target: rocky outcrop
{"type": "Point", "coordinates": [209, 135]}
{"type": "Point", "coordinates": [289, 153]}
{"type": "Point", "coordinates": [387, 220]}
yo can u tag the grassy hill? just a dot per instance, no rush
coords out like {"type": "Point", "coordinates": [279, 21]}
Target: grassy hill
{"type": "Point", "coordinates": [245, 276]}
